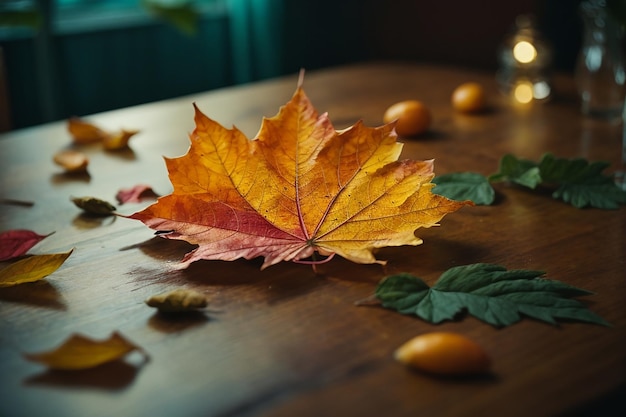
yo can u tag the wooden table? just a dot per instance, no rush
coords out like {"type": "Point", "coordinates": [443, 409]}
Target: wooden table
{"type": "Point", "coordinates": [284, 341]}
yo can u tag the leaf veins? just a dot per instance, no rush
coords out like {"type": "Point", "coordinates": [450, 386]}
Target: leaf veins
{"type": "Point", "coordinates": [299, 188]}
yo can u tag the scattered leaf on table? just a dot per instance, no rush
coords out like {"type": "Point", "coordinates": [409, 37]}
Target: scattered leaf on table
{"type": "Point", "coordinates": [31, 269]}
{"type": "Point", "coordinates": [14, 202]}
{"type": "Point", "coordinates": [15, 243]}
{"type": "Point", "coordinates": [71, 160]}
{"type": "Point", "coordinates": [84, 132]}
{"type": "Point", "coordinates": [519, 171]}
{"type": "Point", "coordinates": [576, 181]}
{"type": "Point", "coordinates": [465, 186]}
{"type": "Point", "coordinates": [300, 189]}
{"type": "Point", "coordinates": [135, 194]}
{"type": "Point", "coordinates": [581, 183]}
{"type": "Point", "coordinates": [79, 352]}
{"type": "Point", "coordinates": [178, 301]}
{"type": "Point", "coordinates": [94, 205]}
{"type": "Point", "coordinates": [489, 293]}
{"type": "Point", "coordinates": [118, 140]}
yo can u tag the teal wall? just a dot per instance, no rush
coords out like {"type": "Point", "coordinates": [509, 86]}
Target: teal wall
{"type": "Point", "coordinates": [102, 70]}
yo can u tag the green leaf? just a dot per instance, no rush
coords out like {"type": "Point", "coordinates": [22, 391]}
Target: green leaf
{"type": "Point", "coordinates": [465, 186]}
{"type": "Point", "coordinates": [488, 292]}
{"type": "Point", "coordinates": [577, 181]}
{"type": "Point", "coordinates": [581, 183]}
{"type": "Point", "coordinates": [519, 171]}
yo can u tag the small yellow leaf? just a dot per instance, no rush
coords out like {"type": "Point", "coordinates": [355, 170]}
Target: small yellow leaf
{"type": "Point", "coordinates": [179, 300]}
{"type": "Point", "coordinates": [31, 269]}
{"type": "Point", "coordinates": [84, 132]}
{"type": "Point", "coordinates": [118, 140]}
{"type": "Point", "coordinates": [79, 352]}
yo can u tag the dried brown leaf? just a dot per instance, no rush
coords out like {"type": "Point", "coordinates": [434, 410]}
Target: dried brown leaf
{"type": "Point", "coordinates": [84, 132]}
{"type": "Point", "coordinates": [94, 205]}
{"type": "Point", "coordinates": [178, 301]}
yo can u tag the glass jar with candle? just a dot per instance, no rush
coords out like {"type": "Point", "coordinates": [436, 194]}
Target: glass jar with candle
{"type": "Point", "coordinates": [525, 59]}
{"type": "Point", "coordinates": [600, 74]}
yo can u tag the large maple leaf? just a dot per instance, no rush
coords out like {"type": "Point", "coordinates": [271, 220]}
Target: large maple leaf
{"type": "Point", "coordinates": [298, 188]}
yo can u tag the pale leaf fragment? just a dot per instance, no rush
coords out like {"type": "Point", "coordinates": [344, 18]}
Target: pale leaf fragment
{"type": "Point", "coordinates": [79, 352]}
{"type": "Point", "coordinates": [118, 140]}
{"type": "Point", "coordinates": [71, 161]}
{"type": "Point", "coordinates": [178, 301]}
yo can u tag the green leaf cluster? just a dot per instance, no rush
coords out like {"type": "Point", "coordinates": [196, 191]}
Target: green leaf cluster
{"type": "Point", "coordinates": [575, 181]}
{"type": "Point", "coordinates": [488, 292]}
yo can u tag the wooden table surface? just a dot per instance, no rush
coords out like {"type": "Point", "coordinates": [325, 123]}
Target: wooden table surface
{"type": "Point", "coordinates": [284, 341]}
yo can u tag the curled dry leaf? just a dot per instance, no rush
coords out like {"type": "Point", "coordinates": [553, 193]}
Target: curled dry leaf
{"type": "Point", "coordinates": [94, 205]}
{"type": "Point", "coordinates": [79, 352]}
{"type": "Point", "coordinates": [71, 160]}
{"type": "Point", "coordinates": [14, 243]}
{"type": "Point", "coordinates": [84, 132]}
{"type": "Point", "coordinates": [31, 269]}
{"type": "Point", "coordinates": [135, 194]}
{"type": "Point", "coordinates": [118, 140]}
{"type": "Point", "coordinates": [444, 353]}
{"type": "Point", "coordinates": [178, 301]}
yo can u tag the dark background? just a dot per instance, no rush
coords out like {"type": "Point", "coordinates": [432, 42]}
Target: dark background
{"type": "Point", "coordinates": [105, 69]}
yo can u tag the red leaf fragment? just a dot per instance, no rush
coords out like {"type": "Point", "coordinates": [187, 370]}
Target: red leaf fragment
{"type": "Point", "coordinates": [135, 194]}
{"type": "Point", "coordinates": [15, 243]}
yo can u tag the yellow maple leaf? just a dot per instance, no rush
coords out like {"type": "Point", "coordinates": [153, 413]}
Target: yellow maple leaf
{"type": "Point", "coordinates": [299, 188]}
{"type": "Point", "coordinates": [79, 352]}
{"type": "Point", "coordinates": [31, 269]}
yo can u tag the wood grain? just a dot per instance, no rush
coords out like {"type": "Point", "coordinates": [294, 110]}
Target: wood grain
{"type": "Point", "coordinates": [284, 341]}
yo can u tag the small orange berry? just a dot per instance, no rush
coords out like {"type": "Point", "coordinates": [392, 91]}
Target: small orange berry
{"type": "Point", "coordinates": [469, 98]}
{"type": "Point", "coordinates": [444, 354]}
{"type": "Point", "coordinates": [412, 116]}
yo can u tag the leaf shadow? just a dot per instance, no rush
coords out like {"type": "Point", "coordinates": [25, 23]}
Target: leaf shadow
{"type": "Point", "coordinates": [431, 258]}
{"type": "Point", "coordinates": [125, 153]}
{"type": "Point", "coordinates": [273, 285]}
{"type": "Point", "coordinates": [177, 322]}
{"type": "Point", "coordinates": [40, 293]}
{"type": "Point", "coordinates": [162, 249]}
{"type": "Point", "coordinates": [86, 221]}
{"type": "Point", "coordinates": [109, 376]}
{"type": "Point", "coordinates": [486, 378]}
{"type": "Point", "coordinates": [65, 177]}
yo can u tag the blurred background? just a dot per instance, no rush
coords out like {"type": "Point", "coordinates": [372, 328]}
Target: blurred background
{"type": "Point", "coordinates": [77, 57]}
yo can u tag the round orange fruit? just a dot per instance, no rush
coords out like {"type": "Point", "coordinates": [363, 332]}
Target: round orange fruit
{"type": "Point", "coordinates": [469, 98]}
{"type": "Point", "coordinates": [412, 116]}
